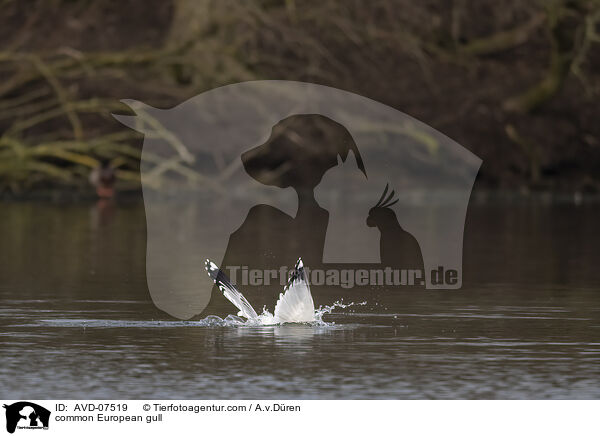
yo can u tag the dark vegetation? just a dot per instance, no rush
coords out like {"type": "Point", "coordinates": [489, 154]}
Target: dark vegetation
{"type": "Point", "coordinates": [516, 82]}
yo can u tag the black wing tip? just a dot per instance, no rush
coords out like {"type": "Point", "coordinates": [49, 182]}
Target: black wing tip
{"type": "Point", "coordinates": [212, 270]}
{"type": "Point", "coordinates": [298, 268]}
{"type": "Point", "coordinates": [297, 273]}
{"type": "Point", "coordinates": [210, 266]}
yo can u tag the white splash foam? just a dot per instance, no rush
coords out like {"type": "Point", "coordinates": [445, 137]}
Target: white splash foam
{"type": "Point", "coordinates": [267, 318]}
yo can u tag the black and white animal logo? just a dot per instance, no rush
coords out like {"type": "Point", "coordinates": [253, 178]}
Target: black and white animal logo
{"type": "Point", "coordinates": [26, 415]}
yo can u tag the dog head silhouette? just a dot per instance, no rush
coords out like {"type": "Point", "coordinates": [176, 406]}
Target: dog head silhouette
{"type": "Point", "coordinates": [300, 149]}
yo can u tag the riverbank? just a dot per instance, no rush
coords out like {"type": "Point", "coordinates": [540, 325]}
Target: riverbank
{"type": "Point", "coordinates": [517, 84]}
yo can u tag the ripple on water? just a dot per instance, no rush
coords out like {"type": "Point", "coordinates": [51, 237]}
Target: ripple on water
{"type": "Point", "coordinates": [264, 319]}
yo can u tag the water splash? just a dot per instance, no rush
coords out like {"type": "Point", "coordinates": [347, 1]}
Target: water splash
{"type": "Point", "coordinates": [325, 310]}
{"type": "Point", "coordinates": [266, 318]}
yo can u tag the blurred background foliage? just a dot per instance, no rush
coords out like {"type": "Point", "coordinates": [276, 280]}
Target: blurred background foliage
{"type": "Point", "coordinates": [515, 82]}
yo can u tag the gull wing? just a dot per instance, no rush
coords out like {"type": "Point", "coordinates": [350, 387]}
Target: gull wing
{"type": "Point", "coordinates": [229, 291]}
{"type": "Point", "coordinates": [296, 304]}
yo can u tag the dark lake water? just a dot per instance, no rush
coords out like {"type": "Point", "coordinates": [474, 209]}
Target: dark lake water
{"type": "Point", "coordinates": [77, 321]}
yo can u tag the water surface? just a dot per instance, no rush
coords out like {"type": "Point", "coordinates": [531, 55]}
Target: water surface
{"type": "Point", "coordinates": [77, 321]}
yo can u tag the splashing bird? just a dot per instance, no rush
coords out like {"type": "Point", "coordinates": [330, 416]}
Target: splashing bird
{"type": "Point", "coordinates": [295, 303]}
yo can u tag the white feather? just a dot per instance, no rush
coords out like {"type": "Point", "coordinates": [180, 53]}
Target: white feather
{"type": "Point", "coordinates": [296, 304]}
{"type": "Point", "coordinates": [229, 291]}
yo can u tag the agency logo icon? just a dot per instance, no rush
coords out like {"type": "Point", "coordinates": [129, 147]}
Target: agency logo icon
{"type": "Point", "coordinates": [25, 415]}
{"type": "Point", "coordinates": [255, 175]}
